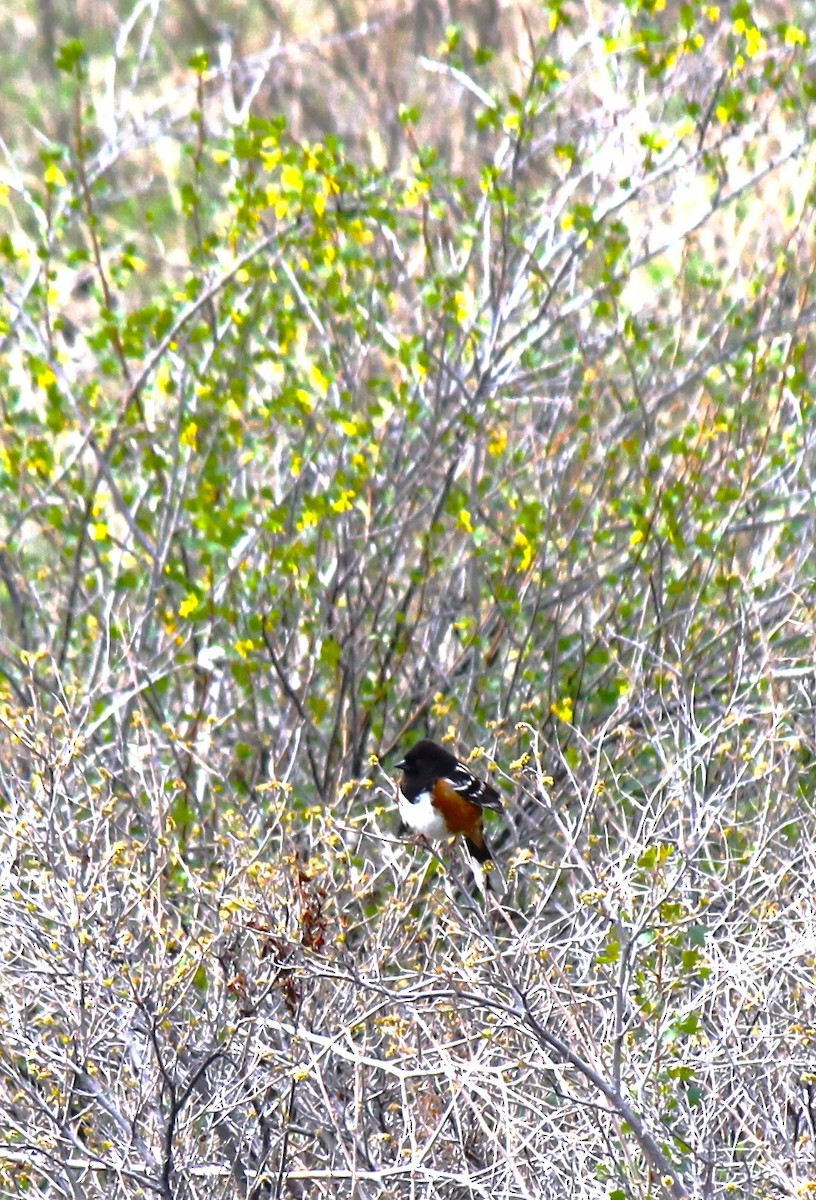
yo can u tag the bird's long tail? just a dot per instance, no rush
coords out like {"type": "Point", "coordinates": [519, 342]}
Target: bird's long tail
{"type": "Point", "coordinates": [489, 880]}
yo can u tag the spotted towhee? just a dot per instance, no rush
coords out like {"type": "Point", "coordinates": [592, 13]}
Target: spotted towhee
{"type": "Point", "coordinates": [440, 797]}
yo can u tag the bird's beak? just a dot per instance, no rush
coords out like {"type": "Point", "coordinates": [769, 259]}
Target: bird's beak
{"type": "Point", "coordinates": [400, 766]}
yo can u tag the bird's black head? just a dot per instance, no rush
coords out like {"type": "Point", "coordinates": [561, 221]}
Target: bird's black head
{"type": "Point", "coordinates": [427, 757]}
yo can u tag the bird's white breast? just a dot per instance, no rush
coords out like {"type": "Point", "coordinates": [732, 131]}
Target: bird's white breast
{"type": "Point", "coordinates": [421, 816]}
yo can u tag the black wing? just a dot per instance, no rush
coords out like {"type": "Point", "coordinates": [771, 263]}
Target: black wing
{"type": "Point", "coordinates": [463, 781]}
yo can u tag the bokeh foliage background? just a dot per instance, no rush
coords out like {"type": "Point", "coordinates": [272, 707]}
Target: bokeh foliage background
{"type": "Point", "coordinates": [364, 374]}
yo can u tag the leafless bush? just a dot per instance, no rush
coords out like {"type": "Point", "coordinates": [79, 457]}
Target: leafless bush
{"type": "Point", "coordinates": [509, 443]}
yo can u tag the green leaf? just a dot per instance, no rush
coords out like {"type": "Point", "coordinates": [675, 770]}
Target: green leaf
{"type": "Point", "coordinates": [611, 952]}
{"type": "Point", "coordinates": [71, 58]}
{"type": "Point", "coordinates": [199, 61]}
{"type": "Point", "coordinates": [330, 653]}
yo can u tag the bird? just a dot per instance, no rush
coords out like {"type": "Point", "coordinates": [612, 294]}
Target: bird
{"type": "Point", "coordinates": [439, 797]}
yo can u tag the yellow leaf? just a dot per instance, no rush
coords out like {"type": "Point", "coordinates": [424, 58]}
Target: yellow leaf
{"type": "Point", "coordinates": [462, 307]}
{"type": "Point", "coordinates": [524, 544]}
{"type": "Point", "coordinates": [189, 435]}
{"type": "Point", "coordinates": [44, 375]}
{"type": "Point", "coordinates": [795, 36]}
{"type": "Point", "coordinates": [99, 531]}
{"type": "Point", "coordinates": [563, 709]}
{"type": "Point", "coordinates": [360, 233]}
{"type": "Point", "coordinates": [754, 42]}
{"type": "Point", "coordinates": [319, 204]}
{"type": "Point", "coordinates": [188, 605]}
{"type": "Point", "coordinates": [318, 380]}
{"type": "Point", "coordinates": [292, 178]}
{"type": "Point", "coordinates": [343, 504]}
{"type": "Point", "coordinates": [271, 158]}
{"type": "Point", "coordinates": [54, 176]}
{"type": "Point", "coordinates": [414, 191]}
{"type": "Point", "coordinates": [497, 443]}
